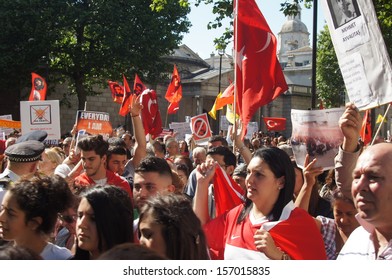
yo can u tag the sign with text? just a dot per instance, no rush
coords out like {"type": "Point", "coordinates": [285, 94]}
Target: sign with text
{"type": "Point", "coordinates": [360, 48]}
{"type": "Point", "coordinates": [200, 128]}
{"type": "Point", "coordinates": [94, 123]}
{"type": "Point", "coordinates": [181, 129]}
{"type": "Point", "coordinates": [41, 115]}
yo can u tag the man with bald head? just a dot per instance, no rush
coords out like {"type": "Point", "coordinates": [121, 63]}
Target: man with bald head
{"type": "Point", "coordinates": [371, 190]}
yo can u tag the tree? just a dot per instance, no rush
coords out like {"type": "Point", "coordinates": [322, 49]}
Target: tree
{"type": "Point", "coordinates": [86, 42]}
{"type": "Point", "coordinates": [329, 80]}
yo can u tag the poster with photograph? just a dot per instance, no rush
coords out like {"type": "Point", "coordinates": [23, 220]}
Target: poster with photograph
{"type": "Point", "coordinates": [316, 133]}
{"type": "Point", "coordinates": [360, 48]}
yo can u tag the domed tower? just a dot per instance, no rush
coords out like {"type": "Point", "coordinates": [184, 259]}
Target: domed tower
{"type": "Point", "coordinates": [294, 35]}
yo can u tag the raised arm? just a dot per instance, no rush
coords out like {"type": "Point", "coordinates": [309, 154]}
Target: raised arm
{"type": "Point", "coordinates": [140, 137]}
{"type": "Point", "coordinates": [350, 124]}
{"type": "Point", "coordinates": [204, 174]}
{"type": "Point", "coordinates": [239, 144]}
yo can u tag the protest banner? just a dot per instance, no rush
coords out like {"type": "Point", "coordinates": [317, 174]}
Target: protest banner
{"type": "Point", "coordinates": [316, 133]}
{"type": "Point", "coordinates": [360, 48]}
{"type": "Point", "coordinates": [94, 123]}
{"type": "Point", "coordinates": [41, 115]}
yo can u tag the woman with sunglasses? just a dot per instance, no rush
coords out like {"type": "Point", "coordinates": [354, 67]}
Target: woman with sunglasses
{"type": "Point", "coordinates": [29, 213]}
{"type": "Point", "coordinates": [66, 226]}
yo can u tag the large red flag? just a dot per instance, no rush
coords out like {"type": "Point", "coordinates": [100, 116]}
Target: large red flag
{"type": "Point", "coordinates": [366, 129]}
{"type": "Point", "coordinates": [275, 124]}
{"type": "Point", "coordinates": [259, 77]}
{"type": "Point", "coordinates": [38, 88]}
{"type": "Point", "coordinates": [127, 99]}
{"type": "Point", "coordinates": [117, 91]}
{"type": "Point", "coordinates": [227, 192]}
{"type": "Point", "coordinates": [174, 92]}
{"type": "Point", "coordinates": [151, 117]}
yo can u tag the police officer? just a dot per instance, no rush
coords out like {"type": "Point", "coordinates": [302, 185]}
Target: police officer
{"type": "Point", "coordinates": [22, 160]}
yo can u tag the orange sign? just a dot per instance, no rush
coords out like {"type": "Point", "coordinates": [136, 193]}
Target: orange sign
{"type": "Point", "coordinates": [94, 123]}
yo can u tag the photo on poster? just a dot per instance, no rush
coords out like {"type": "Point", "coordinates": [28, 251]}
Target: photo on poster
{"type": "Point", "coordinates": [343, 11]}
{"type": "Point", "coordinates": [316, 133]}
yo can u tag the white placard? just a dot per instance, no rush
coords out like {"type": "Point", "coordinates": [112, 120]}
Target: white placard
{"type": "Point", "coordinates": [41, 115]}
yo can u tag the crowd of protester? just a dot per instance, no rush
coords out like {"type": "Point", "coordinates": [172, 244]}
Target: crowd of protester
{"type": "Point", "coordinates": [128, 198]}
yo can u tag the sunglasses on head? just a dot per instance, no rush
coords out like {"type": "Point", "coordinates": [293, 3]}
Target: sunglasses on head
{"type": "Point", "coordinates": [69, 219]}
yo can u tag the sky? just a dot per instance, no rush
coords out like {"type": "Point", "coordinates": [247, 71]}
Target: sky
{"type": "Point", "coordinates": [201, 40]}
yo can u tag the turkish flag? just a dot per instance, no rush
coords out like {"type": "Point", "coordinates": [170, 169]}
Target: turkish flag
{"type": "Point", "coordinates": [275, 124]}
{"type": "Point", "coordinates": [38, 88]}
{"type": "Point", "coordinates": [366, 129]}
{"type": "Point", "coordinates": [117, 91]}
{"type": "Point", "coordinates": [127, 99]}
{"type": "Point", "coordinates": [227, 192]}
{"type": "Point", "coordinates": [259, 77]}
{"type": "Point", "coordinates": [151, 117]}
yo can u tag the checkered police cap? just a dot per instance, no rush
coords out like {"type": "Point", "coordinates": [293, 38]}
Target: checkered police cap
{"type": "Point", "coordinates": [27, 151]}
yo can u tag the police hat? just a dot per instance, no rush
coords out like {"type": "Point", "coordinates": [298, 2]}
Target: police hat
{"type": "Point", "coordinates": [27, 151]}
{"type": "Point", "coordinates": [38, 135]}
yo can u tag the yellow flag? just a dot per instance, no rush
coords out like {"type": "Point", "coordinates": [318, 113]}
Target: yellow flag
{"type": "Point", "coordinates": [213, 110]}
{"type": "Point", "coordinates": [380, 119]}
{"type": "Point", "coordinates": [230, 114]}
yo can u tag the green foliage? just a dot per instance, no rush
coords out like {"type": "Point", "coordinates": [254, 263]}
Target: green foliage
{"type": "Point", "coordinates": [87, 42]}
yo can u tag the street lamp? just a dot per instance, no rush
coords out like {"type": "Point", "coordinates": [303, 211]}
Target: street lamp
{"type": "Point", "coordinates": [221, 52]}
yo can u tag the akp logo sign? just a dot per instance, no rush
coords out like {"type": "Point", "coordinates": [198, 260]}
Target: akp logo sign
{"type": "Point", "coordinates": [40, 114]}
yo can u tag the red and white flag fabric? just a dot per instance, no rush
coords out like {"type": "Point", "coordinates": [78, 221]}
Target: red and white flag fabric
{"type": "Point", "coordinates": [174, 92]}
{"type": "Point", "coordinates": [227, 193]}
{"type": "Point", "coordinates": [38, 88]}
{"type": "Point", "coordinates": [275, 124]}
{"type": "Point", "coordinates": [259, 78]}
{"type": "Point", "coordinates": [117, 91]}
{"type": "Point", "coordinates": [366, 129]}
{"type": "Point", "coordinates": [151, 117]}
{"type": "Point", "coordinates": [127, 99]}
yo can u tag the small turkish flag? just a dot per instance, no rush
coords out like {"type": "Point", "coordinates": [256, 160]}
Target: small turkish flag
{"type": "Point", "coordinates": [275, 124]}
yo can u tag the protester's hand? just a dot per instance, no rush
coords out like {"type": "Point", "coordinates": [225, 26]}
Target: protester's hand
{"type": "Point", "coordinates": [350, 122]}
{"type": "Point", "coordinates": [205, 171]}
{"type": "Point", "coordinates": [235, 135]}
{"type": "Point", "coordinates": [74, 130]}
{"type": "Point", "coordinates": [310, 171]}
{"type": "Point", "coordinates": [73, 157]}
{"type": "Point", "coordinates": [265, 244]}
{"type": "Point", "coordinates": [136, 107]}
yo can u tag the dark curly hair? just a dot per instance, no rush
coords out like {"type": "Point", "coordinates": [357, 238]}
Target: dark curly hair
{"type": "Point", "coordinates": [43, 197]}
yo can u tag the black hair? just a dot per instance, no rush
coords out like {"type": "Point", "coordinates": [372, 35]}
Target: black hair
{"type": "Point", "coordinates": [280, 164]}
{"type": "Point", "coordinates": [228, 156]}
{"type": "Point", "coordinates": [94, 143]}
{"type": "Point", "coordinates": [154, 164]}
{"type": "Point", "coordinates": [113, 213]}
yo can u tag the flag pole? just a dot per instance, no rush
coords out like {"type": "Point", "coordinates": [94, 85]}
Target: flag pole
{"type": "Point", "coordinates": [235, 70]}
{"type": "Point", "coordinates": [379, 127]}
{"type": "Point", "coordinates": [167, 114]}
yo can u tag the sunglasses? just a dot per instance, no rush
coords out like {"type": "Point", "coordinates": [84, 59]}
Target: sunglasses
{"type": "Point", "coordinates": [69, 219]}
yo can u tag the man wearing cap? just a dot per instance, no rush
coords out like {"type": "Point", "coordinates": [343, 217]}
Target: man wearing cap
{"type": "Point", "coordinates": [23, 160]}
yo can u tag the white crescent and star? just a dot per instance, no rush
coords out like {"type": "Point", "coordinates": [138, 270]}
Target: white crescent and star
{"type": "Point", "coordinates": [240, 57]}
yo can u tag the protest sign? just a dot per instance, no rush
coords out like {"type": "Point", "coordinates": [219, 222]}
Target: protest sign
{"type": "Point", "coordinates": [94, 123]}
{"type": "Point", "coordinates": [41, 115]}
{"type": "Point", "coordinates": [200, 128]}
{"type": "Point", "coordinates": [316, 133]}
{"type": "Point", "coordinates": [360, 48]}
